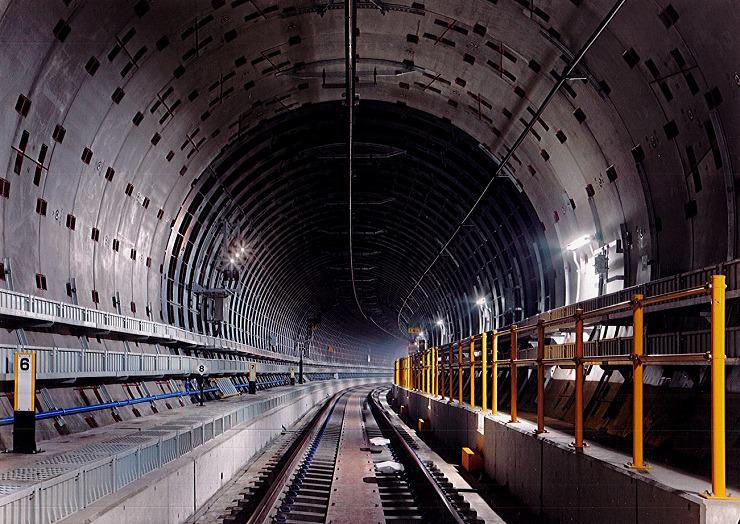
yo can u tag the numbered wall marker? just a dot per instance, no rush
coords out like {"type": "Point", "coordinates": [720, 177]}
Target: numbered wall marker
{"type": "Point", "coordinates": [24, 398]}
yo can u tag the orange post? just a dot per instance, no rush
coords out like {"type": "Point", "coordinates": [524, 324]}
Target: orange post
{"type": "Point", "coordinates": [459, 373]}
{"type": "Point", "coordinates": [578, 444]}
{"type": "Point", "coordinates": [638, 348]}
{"type": "Point", "coordinates": [494, 373]}
{"type": "Point", "coordinates": [484, 369]}
{"type": "Point", "coordinates": [427, 371]}
{"type": "Point", "coordinates": [514, 355]}
{"type": "Point", "coordinates": [540, 376]}
{"type": "Point", "coordinates": [472, 372]}
{"type": "Point", "coordinates": [449, 371]}
{"type": "Point", "coordinates": [434, 371]}
{"type": "Point", "coordinates": [442, 372]}
{"type": "Point", "coordinates": [719, 466]}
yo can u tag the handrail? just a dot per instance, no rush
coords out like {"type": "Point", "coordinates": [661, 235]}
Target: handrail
{"type": "Point", "coordinates": [26, 307]}
{"type": "Point", "coordinates": [411, 370]}
{"type": "Point", "coordinates": [54, 363]}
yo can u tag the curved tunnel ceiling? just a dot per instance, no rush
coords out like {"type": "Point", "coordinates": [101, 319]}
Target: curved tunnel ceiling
{"type": "Point", "coordinates": [154, 140]}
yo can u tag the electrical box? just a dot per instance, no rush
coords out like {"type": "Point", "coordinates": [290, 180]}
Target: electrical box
{"type": "Point", "coordinates": [471, 460]}
{"type": "Point", "coordinates": [220, 309]}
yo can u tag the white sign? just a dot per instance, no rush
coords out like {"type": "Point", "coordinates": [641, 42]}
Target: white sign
{"type": "Point", "coordinates": [202, 368]}
{"type": "Point", "coordinates": [25, 382]}
{"type": "Point", "coordinates": [252, 372]}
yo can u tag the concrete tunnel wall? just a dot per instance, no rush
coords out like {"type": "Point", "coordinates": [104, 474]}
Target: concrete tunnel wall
{"type": "Point", "coordinates": [551, 479]}
{"type": "Point", "coordinates": [105, 122]}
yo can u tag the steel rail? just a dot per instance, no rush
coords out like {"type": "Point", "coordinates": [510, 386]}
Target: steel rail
{"type": "Point", "coordinates": [564, 77]}
{"type": "Point", "coordinates": [262, 511]}
{"type": "Point", "coordinates": [400, 444]}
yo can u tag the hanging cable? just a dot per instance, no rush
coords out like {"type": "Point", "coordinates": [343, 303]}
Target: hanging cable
{"type": "Point", "coordinates": [564, 77]}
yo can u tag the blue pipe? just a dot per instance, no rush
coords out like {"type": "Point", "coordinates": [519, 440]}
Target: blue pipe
{"type": "Point", "coordinates": [120, 403]}
{"type": "Point", "coordinates": [115, 404]}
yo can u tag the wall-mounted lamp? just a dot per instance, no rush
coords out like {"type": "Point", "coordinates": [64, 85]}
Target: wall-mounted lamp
{"type": "Point", "coordinates": [579, 243]}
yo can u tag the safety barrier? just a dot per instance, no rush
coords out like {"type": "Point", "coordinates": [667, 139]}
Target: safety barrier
{"type": "Point", "coordinates": [29, 309]}
{"type": "Point", "coordinates": [435, 370]}
{"type": "Point", "coordinates": [57, 487]}
{"type": "Point", "coordinates": [64, 363]}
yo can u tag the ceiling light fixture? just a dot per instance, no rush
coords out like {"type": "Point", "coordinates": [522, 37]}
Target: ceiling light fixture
{"type": "Point", "coordinates": [579, 243]}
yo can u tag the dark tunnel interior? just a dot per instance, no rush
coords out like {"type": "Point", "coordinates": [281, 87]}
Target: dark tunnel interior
{"type": "Point", "coordinates": [158, 150]}
{"type": "Point", "coordinates": [210, 199]}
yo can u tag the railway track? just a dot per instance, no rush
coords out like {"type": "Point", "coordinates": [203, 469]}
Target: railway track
{"type": "Point", "coordinates": [327, 471]}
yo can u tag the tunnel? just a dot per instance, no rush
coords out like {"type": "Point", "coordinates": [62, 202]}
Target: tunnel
{"type": "Point", "coordinates": [507, 227]}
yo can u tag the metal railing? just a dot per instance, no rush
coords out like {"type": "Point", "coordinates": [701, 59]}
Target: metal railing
{"type": "Point", "coordinates": [56, 487]}
{"type": "Point", "coordinates": [30, 308]}
{"type": "Point", "coordinates": [424, 371]}
{"type": "Point", "coordinates": [53, 363]}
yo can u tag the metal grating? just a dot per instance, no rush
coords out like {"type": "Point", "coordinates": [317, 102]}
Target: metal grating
{"type": "Point", "coordinates": [8, 488]}
{"type": "Point", "coordinates": [34, 473]}
{"type": "Point", "coordinates": [74, 458]}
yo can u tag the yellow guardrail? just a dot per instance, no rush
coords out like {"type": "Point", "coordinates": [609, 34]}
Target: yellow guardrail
{"type": "Point", "coordinates": [434, 371]}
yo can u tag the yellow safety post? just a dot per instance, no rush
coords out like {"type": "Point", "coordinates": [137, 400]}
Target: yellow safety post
{"type": "Point", "coordinates": [540, 377]}
{"type": "Point", "coordinates": [449, 371]}
{"type": "Point", "coordinates": [638, 349]}
{"type": "Point", "coordinates": [578, 444]}
{"type": "Point", "coordinates": [494, 373]}
{"type": "Point", "coordinates": [514, 355]}
{"type": "Point", "coordinates": [484, 369]}
{"type": "Point", "coordinates": [459, 373]}
{"type": "Point", "coordinates": [413, 372]}
{"type": "Point", "coordinates": [433, 358]}
{"type": "Point", "coordinates": [416, 372]}
{"type": "Point", "coordinates": [395, 372]}
{"type": "Point", "coordinates": [719, 483]}
{"type": "Point", "coordinates": [434, 371]}
{"type": "Point", "coordinates": [472, 372]}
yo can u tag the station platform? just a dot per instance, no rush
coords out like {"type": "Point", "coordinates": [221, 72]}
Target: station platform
{"type": "Point", "coordinates": [561, 485]}
{"type": "Point", "coordinates": [77, 471]}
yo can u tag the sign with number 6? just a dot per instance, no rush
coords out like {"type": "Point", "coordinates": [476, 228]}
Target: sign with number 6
{"type": "Point", "coordinates": [24, 398]}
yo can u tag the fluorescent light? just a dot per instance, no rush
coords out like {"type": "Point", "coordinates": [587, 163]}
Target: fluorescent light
{"type": "Point", "coordinates": [421, 335]}
{"type": "Point", "coordinates": [440, 323]}
{"type": "Point", "coordinates": [579, 243]}
{"type": "Point", "coordinates": [481, 301]}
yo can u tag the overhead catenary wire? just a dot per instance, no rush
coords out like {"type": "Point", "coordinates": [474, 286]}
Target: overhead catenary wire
{"type": "Point", "coordinates": [350, 35]}
{"type": "Point", "coordinates": [565, 76]}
